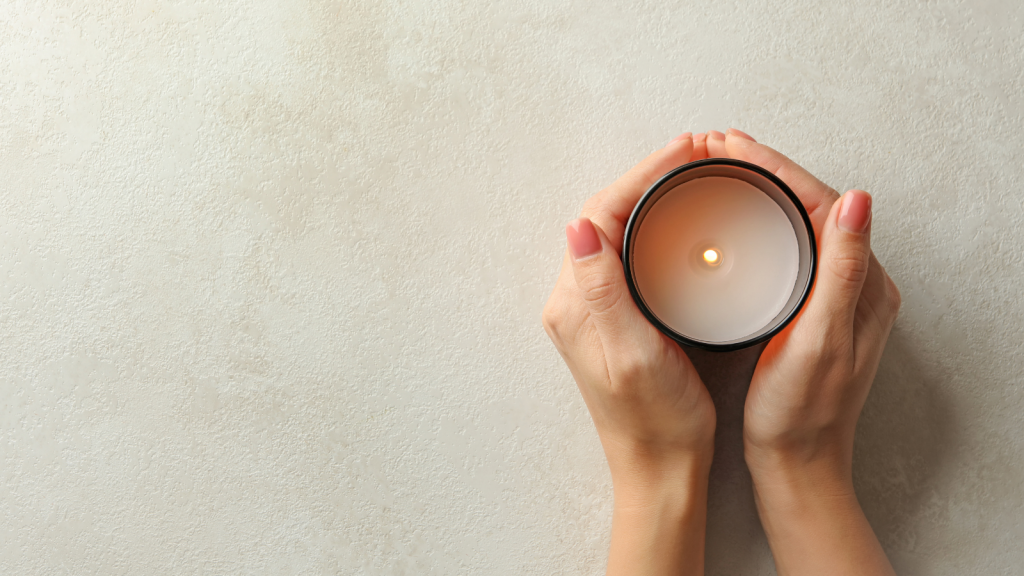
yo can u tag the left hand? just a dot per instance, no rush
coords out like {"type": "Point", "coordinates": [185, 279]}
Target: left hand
{"type": "Point", "coordinates": [654, 416]}
{"type": "Point", "coordinates": [651, 410]}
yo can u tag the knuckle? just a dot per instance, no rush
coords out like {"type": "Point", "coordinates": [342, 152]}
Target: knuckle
{"type": "Point", "coordinates": [600, 290]}
{"type": "Point", "coordinates": [825, 353]}
{"type": "Point", "coordinates": [600, 208]}
{"type": "Point", "coordinates": [549, 319]}
{"type": "Point", "coordinates": [631, 367]}
{"type": "Point", "coordinates": [553, 318]}
{"type": "Point", "coordinates": [819, 358]}
{"type": "Point", "coordinates": [594, 204]}
{"type": "Point", "coordinates": [558, 337]}
{"type": "Point", "coordinates": [627, 372]}
{"type": "Point", "coordinates": [621, 393]}
{"type": "Point", "coordinates": [848, 265]}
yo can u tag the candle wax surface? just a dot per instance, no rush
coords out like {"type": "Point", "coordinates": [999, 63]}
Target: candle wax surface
{"type": "Point", "coordinates": [758, 259]}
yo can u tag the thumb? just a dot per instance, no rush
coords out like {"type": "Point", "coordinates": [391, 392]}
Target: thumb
{"type": "Point", "coordinates": [602, 282]}
{"type": "Point", "coordinates": [845, 257]}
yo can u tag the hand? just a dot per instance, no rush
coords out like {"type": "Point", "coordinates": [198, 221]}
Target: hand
{"type": "Point", "coordinates": [811, 382]}
{"type": "Point", "coordinates": [644, 395]}
{"type": "Point", "coordinates": [653, 414]}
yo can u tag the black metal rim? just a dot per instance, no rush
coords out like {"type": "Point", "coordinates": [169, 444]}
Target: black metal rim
{"type": "Point", "coordinates": [696, 343]}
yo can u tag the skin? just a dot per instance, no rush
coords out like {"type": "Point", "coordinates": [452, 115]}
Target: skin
{"type": "Point", "coordinates": [656, 420]}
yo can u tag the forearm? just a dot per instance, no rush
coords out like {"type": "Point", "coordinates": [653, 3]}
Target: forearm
{"type": "Point", "coordinates": [815, 524]}
{"type": "Point", "coordinates": [659, 521]}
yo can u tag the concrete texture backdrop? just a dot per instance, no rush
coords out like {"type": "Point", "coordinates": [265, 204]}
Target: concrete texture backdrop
{"type": "Point", "coordinates": [271, 272]}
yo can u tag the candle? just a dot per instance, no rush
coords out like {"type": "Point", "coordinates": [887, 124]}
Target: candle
{"type": "Point", "coordinates": [719, 254]}
{"type": "Point", "coordinates": [716, 259]}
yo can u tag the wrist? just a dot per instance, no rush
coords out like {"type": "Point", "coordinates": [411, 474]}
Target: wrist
{"type": "Point", "coordinates": [822, 458]}
{"type": "Point", "coordinates": [814, 522]}
{"type": "Point", "coordinates": [660, 513]}
{"type": "Point", "coordinates": [794, 481]}
{"type": "Point", "coordinates": [643, 477]}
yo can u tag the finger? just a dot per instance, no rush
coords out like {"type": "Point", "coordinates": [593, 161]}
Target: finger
{"type": "Point", "coordinates": [876, 311]}
{"type": "Point", "coordinates": [565, 320]}
{"type": "Point", "coordinates": [564, 312]}
{"type": "Point", "coordinates": [680, 138]}
{"type": "Point", "coordinates": [700, 147]}
{"type": "Point", "coordinates": [716, 145]}
{"type": "Point", "coordinates": [816, 197]}
{"type": "Point", "coordinates": [610, 208]}
{"type": "Point", "coordinates": [740, 133]}
{"type": "Point", "coordinates": [602, 284]}
{"type": "Point", "coordinates": [844, 262]}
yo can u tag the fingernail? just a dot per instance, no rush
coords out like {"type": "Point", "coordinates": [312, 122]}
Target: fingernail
{"type": "Point", "coordinates": [716, 135]}
{"type": "Point", "coordinates": [855, 213]}
{"type": "Point", "coordinates": [699, 137]}
{"type": "Point", "coordinates": [582, 237]}
{"type": "Point", "coordinates": [741, 134]}
{"type": "Point", "coordinates": [680, 138]}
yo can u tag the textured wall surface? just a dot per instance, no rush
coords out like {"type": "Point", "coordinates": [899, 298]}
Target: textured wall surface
{"type": "Point", "coordinates": [271, 272]}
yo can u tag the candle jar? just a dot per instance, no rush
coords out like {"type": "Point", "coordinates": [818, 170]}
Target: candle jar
{"type": "Point", "coordinates": [719, 254]}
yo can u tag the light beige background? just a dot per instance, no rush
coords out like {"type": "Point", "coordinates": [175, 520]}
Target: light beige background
{"type": "Point", "coordinates": [271, 272]}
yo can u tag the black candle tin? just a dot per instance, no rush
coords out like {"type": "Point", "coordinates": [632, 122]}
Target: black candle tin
{"type": "Point", "coordinates": [775, 189]}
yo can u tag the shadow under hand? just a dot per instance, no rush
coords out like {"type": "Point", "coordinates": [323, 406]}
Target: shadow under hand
{"type": "Point", "coordinates": [736, 543]}
{"type": "Point", "coordinates": [904, 436]}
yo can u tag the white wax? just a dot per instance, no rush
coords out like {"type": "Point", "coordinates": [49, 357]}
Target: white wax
{"type": "Point", "coordinates": [756, 273]}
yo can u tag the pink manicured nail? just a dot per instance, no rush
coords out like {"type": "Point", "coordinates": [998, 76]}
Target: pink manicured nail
{"type": "Point", "coordinates": [700, 137]}
{"type": "Point", "coordinates": [855, 213]}
{"type": "Point", "coordinates": [741, 134]}
{"type": "Point", "coordinates": [716, 135]}
{"type": "Point", "coordinates": [681, 137]}
{"type": "Point", "coordinates": [582, 237]}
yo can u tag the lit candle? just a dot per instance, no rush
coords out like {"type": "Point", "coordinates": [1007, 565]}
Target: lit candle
{"type": "Point", "coordinates": [719, 254]}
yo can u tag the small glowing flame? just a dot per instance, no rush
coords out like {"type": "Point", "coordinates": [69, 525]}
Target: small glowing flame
{"type": "Point", "coordinates": [711, 256]}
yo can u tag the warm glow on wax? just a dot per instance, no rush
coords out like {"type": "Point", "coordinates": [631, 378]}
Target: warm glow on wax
{"type": "Point", "coordinates": [716, 259]}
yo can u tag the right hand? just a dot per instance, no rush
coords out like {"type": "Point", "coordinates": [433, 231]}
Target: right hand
{"type": "Point", "coordinates": [813, 378]}
{"type": "Point", "coordinates": [811, 382]}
